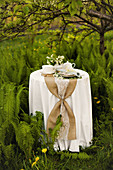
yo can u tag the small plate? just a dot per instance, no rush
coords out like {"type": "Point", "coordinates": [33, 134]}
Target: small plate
{"type": "Point", "coordinates": [70, 74]}
{"type": "Point", "coordinates": [61, 70]}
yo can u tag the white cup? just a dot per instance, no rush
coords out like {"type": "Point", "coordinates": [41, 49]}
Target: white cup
{"type": "Point", "coordinates": [48, 68]}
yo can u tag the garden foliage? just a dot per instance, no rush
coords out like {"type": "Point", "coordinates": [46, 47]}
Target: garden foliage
{"type": "Point", "coordinates": [22, 135]}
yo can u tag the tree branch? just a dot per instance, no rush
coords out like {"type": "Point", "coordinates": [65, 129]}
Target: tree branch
{"type": "Point", "coordinates": [87, 35]}
{"type": "Point", "coordinates": [96, 14]}
{"type": "Point", "coordinates": [90, 24]}
{"type": "Point", "coordinates": [109, 28]}
{"type": "Point", "coordinates": [107, 4]}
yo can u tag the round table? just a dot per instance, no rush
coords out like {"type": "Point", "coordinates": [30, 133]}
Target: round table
{"type": "Point", "coordinates": [41, 99]}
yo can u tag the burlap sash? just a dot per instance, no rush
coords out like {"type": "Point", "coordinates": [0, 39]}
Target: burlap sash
{"type": "Point", "coordinates": [51, 122]}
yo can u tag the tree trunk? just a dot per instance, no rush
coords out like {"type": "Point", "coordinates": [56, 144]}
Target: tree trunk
{"type": "Point", "coordinates": [102, 48]}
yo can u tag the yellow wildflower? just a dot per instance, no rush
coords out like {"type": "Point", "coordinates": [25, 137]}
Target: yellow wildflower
{"type": "Point", "coordinates": [37, 158]}
{"type": "Point", "coordinates": [95, 98]}
{"type": "Point", "coordinates": [98, 102]}
{"type": "Point", "coordinates": [112, 108]}
{"type": "Point", "coordinates": [44, 150]}
{"type": "Point", "coordinates": [33, 163]}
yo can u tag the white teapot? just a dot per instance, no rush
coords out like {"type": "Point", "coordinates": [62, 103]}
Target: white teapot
{"type": "Point", "coordinates": [68, 66]}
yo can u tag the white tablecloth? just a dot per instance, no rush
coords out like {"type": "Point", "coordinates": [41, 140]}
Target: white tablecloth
{"type": "Point", "coordinates": [41, 99]}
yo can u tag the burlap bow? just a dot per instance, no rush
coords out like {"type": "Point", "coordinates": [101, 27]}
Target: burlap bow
{"type": "Point", "coordinates": [51, 122]}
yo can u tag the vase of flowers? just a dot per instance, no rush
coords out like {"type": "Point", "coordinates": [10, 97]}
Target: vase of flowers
{"type": "Point", "coordinates": [55, 61]}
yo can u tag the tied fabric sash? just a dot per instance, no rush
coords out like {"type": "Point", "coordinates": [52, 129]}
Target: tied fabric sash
{"type": "Point", "coordinates": [51, 122]}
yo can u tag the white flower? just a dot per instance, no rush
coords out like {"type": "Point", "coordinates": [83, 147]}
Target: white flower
{"type": "Point", "coordinates": [57, 59]}
{"type": "Point", "coordinates": [51, 55]}
{"type": "Point", "coordinates": [61, 57]}
{"type": "Point", "coordinates": [48, 62]}
{"type": "Point", "coordinates": [57, 62]}
{"type": "Point", "coordinates": [54, 60]}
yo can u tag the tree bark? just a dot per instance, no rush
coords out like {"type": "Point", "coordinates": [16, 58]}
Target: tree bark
{"type": "Point", "coordinates": [100, 15]}
{"type": "Point", "coordinates": [102, 48]}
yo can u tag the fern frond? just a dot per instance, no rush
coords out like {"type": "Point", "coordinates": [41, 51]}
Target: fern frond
{"type": "Point", "coordinates": [83, 155]}
{"type": "Point", "coordinates": [54, 132]}
{"type": "Point", "coordinates": [24, 138]}
{"type": "Point", "coordinates": [109, 88]}
{"type": "Point", "coordinates": [8, 101]}
{"type": "Point", "coordinates": [40, 120]}
{"type": "Point", "coordinates": [9, 151]}
{"type": "Point", "coordinates": [8, 130]}
{"type": "Point", "coordinates": [18, 99]}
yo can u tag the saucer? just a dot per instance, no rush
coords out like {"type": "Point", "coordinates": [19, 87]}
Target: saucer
{"type": "Point", "coordinates": [60, 70]}
{"type": "Point", "coordinates": [70, 74]}
{"type": "Point", "coordinates": [43, 72]}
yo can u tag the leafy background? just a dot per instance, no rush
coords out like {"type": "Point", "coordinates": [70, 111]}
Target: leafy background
{"type": "Point", "coordinates": [23, 136]}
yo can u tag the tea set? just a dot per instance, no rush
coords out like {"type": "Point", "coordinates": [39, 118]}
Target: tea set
{"type": "Point", "coordinates": [66, 69]}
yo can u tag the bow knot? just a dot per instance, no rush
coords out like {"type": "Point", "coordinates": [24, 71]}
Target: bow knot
{"type": "Point", "coordinates": [51, 122]}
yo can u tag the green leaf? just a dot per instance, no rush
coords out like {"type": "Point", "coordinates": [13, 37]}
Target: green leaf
{"type": "Point", "coordinates": [71, 10]}
{"type": "Point", "coordinates": [74, 4]}
{"type": "Point", "coordinates": [79, 2]}
{"type": "Point", "coordinates": [67, 2]}
{"type": "Point", "coordinates": [26, 9]}
{"type": "Point", "coordinates": [16, 9]}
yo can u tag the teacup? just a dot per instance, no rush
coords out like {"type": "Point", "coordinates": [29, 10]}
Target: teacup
{"type": "Point", "coordinates": [48, 68]}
